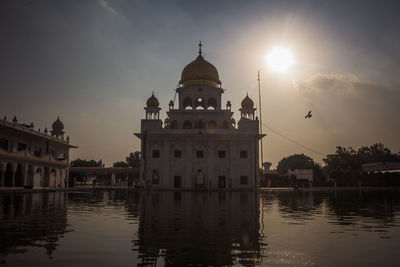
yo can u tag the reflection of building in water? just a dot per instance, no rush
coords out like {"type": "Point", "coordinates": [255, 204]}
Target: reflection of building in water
{"type": "Point", "coordinates": [31, 220]}
{"type": "Point", "coordinates": [200, 146]}
{"type": "Point", "coordinates": [30, 158]}
{"type": "Point", "coordinates": [211, 229]}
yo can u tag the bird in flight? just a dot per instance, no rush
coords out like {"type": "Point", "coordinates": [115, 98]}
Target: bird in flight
{"type": "Point", "coordinates": [309, 115]}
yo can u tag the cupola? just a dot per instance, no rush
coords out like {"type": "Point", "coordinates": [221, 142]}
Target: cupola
{"type": "Point", "coordinates": [200, 70]}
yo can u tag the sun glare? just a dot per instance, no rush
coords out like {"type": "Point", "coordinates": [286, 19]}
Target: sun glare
{"type": "Point", "coordinates": [279, 59]}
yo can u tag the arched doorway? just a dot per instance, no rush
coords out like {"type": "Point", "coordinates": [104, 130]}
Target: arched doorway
{"type": "Point", "coordinates": [29, 177]}
{"type": "Point", "coordinates": [199, 179]}
{"type": "Point", "coordinates": [187, 125]}
{"type": "Point", "coordinates": [1, 175]}
{"type": "Point", "coordinates": [54, 177]}
{"type": "Point", "coordinates": [212, 103]}
{"type": "Point", "coordinates": [45, 177]}
{"type": "Point", "coordinates": [174, 125]}
{"type": "Point", "coordinates": [187, 103]}
{"type": "Point", "coordinates": [212, 125]}
{"type": "Point", "coordinates": [19, 176]}
{"type": "Point", "coordinates": [8, 175]}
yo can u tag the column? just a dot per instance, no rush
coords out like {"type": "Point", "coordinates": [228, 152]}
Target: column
{"type": "Point", "coordinates": [210, 172]}
{"type": "Point", "coordinates": [188, 158]}
{"type": "Point", "coordinates": [14, 169]}
{"type": "Point", "coordinates": [2, 172]}
{"type": "Point", "coordinates": [165, 179]}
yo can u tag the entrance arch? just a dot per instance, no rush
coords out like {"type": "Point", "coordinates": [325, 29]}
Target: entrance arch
{"type": "Point", "coordinates": [29, 177]}
{"type": "Point", "coordinates": [19, 176]}
{"type": "Point", "coordinates": [45, 177]}
{"type": "Point", "coordinates": [8, 175]}
{"type": "Point", "coordinates": [1, 175]}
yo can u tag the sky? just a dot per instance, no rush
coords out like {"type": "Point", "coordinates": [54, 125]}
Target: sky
{"type": "Point", "coordinates": [94, 63]}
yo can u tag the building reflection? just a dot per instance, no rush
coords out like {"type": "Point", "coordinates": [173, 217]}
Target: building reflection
{"type": "Point", "coordinates": [32, 220]}
{"type": "Point", "coordinates": [201, 228]}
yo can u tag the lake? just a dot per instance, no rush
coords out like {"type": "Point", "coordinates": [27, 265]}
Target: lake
{"type": "Point", "coordinates": [127, 228]}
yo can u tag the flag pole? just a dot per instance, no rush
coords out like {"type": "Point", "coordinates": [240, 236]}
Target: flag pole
{"type": "Point", "coordinates": [259, 100]}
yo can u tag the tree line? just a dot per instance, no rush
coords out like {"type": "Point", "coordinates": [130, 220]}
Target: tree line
{"type": "Point", "coordinates": [344, 167]}
{"type": "Point", "coordinates": [132, 160]}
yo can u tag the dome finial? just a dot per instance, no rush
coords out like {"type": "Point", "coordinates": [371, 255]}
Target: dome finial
{"type": "Point", "coordinates": [200, 45]}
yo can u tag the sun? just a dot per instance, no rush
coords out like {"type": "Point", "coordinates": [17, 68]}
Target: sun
{"type": "Point", "coordinates": [279, 59]}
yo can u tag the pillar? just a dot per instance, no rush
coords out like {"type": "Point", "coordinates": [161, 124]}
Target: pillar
{"type": "Point", "coordinates": [210, 175]}
{"type": "Point", "coordinates": [165, 179]}
{"type": "Point", "coordinates": [14, 169]}
{"type": "Point", "coordinates": [2, 172]}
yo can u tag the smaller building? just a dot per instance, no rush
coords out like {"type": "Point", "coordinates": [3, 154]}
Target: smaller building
{"type": "Point", "coordinates": [31, 158]}
{"type": "Point", "coordinates": [303, 175]}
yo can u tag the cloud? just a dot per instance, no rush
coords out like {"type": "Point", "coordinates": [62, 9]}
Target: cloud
{"type": "Point", "coordinates": [337, 84]}
{"type": "Point", "coordinates": [104, 4]}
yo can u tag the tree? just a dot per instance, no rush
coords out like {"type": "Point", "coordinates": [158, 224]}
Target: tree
{"type": "Point", "coordinates": [301, 161]}
{"type": "Point", "coordinates": [86, 163]}
{"type": "Point", "coordinates": [133, 159]}
{"type": "Point", "coordinates": [120, 164]}
{"type": "Point", "coordinates": [347, 160]}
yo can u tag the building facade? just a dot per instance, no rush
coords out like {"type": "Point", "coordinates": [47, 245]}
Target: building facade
{"type": "Point", "coordinates": [30, 158]}
{"type": "Point", "coordinates": [200, 146]}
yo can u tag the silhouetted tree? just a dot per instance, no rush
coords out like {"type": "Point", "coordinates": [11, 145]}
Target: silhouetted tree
{"type": "Point", "coordinates": [296, 161]}
{"type": "Point", "coordinates": [121, 164]}
{"type": "Point", "coordinates": [133, 159]}
{"type": "Point", "coordinates": [347, 160]}
{"type": "Point", "coordinates": [301, 161]}
{"type": "Point", "coordinates": [86, 163]}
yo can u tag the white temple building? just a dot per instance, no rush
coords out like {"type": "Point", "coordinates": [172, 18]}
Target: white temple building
{"type": "Point", "coordinates": [200, 146]}
{"type": "Point", "coordinates": [31, 158]}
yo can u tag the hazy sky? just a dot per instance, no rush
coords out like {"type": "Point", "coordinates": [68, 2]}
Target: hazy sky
{"type": "Point", "coordinates": [95, 63]}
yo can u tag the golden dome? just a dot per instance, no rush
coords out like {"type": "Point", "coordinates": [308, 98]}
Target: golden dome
{"type": "Point", "coordinates": [152, 101]}
{"type": "Point", "coordinates": [247, 102]}
{"type": "Point", "coordinates": [200, 69]}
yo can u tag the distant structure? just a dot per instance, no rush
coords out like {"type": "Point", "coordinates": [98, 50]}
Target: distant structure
{"type": "Point", "coordinates": [31, 158]}
{"type": "Point", "coordinates": [304, 175]}
{"type": "Point", "coordinates": [267, 166]}
{"type": "Point", "coordinates": [381, 167]}
{"type": "Point", "coordinates": [200, 146]}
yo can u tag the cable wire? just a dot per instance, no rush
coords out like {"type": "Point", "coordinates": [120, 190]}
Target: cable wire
{"type": "Point", "coordinates": [293, 141]}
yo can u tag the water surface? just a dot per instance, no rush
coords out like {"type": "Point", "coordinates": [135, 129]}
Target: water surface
{"type": "Point", "coordinates": [121, 228]}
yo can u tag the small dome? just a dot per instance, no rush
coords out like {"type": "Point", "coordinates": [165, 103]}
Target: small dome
{"type": "Point", "coordinates": [58, 126]}
{"type": "Point", "coordinates": [247, 102]}
{"type": "Point", "coordinates": [152, 101]}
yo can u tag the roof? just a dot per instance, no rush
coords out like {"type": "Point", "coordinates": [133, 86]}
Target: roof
{"type": "Point", "coordinates": [32, 131]}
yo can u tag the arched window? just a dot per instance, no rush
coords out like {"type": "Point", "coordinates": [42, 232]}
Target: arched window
{"type": "Point", "coordinates": [212, 125]}
{"type": "Point", "coordinates": [200, 124]}
{"type": "Point", "coordinates": [19, 176]}
{"type": "Point", "coordinates": [212, 103]}
{"type": "Point", "coordinates": [199, 104]}
{"type": "Point", "coordinates": [174, 125]}
{"type": "Point", "coordinates": [187, 125]}
{"type": "Point", "coordinates": [225, 125]}
{"type": "Point", "coordinates": [187, 103]}
{"type": "Point", "coordinates": [8, 175]}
